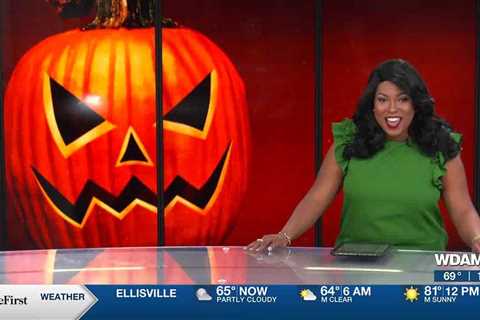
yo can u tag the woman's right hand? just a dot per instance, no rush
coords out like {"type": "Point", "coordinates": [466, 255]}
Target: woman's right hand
{"type": "Point", "coordinates": [269, 242]}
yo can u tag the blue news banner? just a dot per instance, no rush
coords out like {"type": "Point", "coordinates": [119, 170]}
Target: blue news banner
{"type": "Point", "coordinates": [434, 301]}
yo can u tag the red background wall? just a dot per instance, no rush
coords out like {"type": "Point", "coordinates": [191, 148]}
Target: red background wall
{"type": "Point", "coordinates": [437, 37]}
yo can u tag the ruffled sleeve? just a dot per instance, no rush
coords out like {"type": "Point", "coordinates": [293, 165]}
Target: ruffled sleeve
{"type": "Point", "coordinates": [343, 133]}
{"type": "Point", "coordinates": [440, 168]}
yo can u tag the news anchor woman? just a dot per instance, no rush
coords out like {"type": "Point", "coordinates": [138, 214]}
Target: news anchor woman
{"type": "Point", "coordinates": [395, 159]}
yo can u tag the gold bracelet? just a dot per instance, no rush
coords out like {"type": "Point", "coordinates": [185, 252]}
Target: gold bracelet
{"type": "Point", "coordinates": [286, 236]}
{"type": "Point", "coordinates": [474, 239]}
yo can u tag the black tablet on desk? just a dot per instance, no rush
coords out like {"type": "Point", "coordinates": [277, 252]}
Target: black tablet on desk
{"type": "Point", "coordinates": [360, 250]}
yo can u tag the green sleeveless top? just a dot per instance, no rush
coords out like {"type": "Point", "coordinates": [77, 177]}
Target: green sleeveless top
{"type": "Point", "coordinates": [393, 196]}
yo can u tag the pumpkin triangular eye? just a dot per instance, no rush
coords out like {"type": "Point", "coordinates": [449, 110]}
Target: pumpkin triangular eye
{"type": "Point", "coordinates": [73, 117]}
{"type": "Point", "coordinates": [193, 109]}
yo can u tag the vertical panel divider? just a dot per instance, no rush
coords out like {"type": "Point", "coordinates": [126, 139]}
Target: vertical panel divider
{"type": "Point", "coordinates": [159, 122]}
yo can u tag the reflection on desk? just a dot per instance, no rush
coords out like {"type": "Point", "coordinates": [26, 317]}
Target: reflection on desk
{"type": "Point", "coordinates": [213, 265]}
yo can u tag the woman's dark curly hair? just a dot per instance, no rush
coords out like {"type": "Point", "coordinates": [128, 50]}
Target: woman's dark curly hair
{"type": "Point", "coordinates": [427, 130]}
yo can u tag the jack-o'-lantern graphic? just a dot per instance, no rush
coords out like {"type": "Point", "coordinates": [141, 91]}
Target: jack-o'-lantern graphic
{"type": "Point", "coordinates": [80, 140]}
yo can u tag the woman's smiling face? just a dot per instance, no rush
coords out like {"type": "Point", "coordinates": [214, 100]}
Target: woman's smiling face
{"type": "Point", "coordinates": [393, 110]}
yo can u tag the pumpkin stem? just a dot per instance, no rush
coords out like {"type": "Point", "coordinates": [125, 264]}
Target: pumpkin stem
{"type": "Point", "coordinates": [114, 13]}
{"type": "Point", "coordinates": [122, 13]}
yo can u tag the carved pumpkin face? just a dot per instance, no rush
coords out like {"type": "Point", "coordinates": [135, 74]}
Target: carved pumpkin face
{"type": "Point", "coordinates": [81, 147]}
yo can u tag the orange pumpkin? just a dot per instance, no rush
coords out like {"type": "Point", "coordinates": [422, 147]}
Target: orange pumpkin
{"type": "Point", "coordinates": [80, 141]}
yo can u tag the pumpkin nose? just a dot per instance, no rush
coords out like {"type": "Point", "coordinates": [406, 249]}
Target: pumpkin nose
{"type": "Point", "coordinates": [133, 151]}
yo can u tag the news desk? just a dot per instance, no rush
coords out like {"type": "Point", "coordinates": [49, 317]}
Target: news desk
{"type": "Point", "coordinates": [213, 265]}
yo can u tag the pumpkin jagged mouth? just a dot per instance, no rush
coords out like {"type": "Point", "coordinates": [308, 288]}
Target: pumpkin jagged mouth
{"type": "Point", "coordinates": [134, 193]}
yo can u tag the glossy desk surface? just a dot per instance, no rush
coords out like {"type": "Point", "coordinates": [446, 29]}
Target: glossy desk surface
{"type": "Point", "coordinates": [212, 265]}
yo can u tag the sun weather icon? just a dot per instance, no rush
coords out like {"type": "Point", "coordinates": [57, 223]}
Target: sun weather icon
{"type": "Point", "coordinates": [411, 294]}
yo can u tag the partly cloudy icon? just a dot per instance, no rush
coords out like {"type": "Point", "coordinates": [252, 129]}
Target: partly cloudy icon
{"type": "Point", "coordinates": [202, 295]}
{"type": "Point", "coordinates": [308, 295]}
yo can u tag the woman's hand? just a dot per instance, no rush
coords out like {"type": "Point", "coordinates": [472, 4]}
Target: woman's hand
{"type": "Point", "coordinates": [269, 242]}
{"type": "Point", "coordinates": [476, 244]}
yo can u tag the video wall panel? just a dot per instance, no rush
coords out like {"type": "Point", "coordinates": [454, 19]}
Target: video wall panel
{"type": "Point", "coordinates": [438, 38]}
{"type": "Point", "coordinates": [271, 45]}
{"type": "Point", "coordinates": [79, 116]}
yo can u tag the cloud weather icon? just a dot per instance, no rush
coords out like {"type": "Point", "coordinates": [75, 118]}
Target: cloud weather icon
{"type": "Point", "coordinates": [202, 295]}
